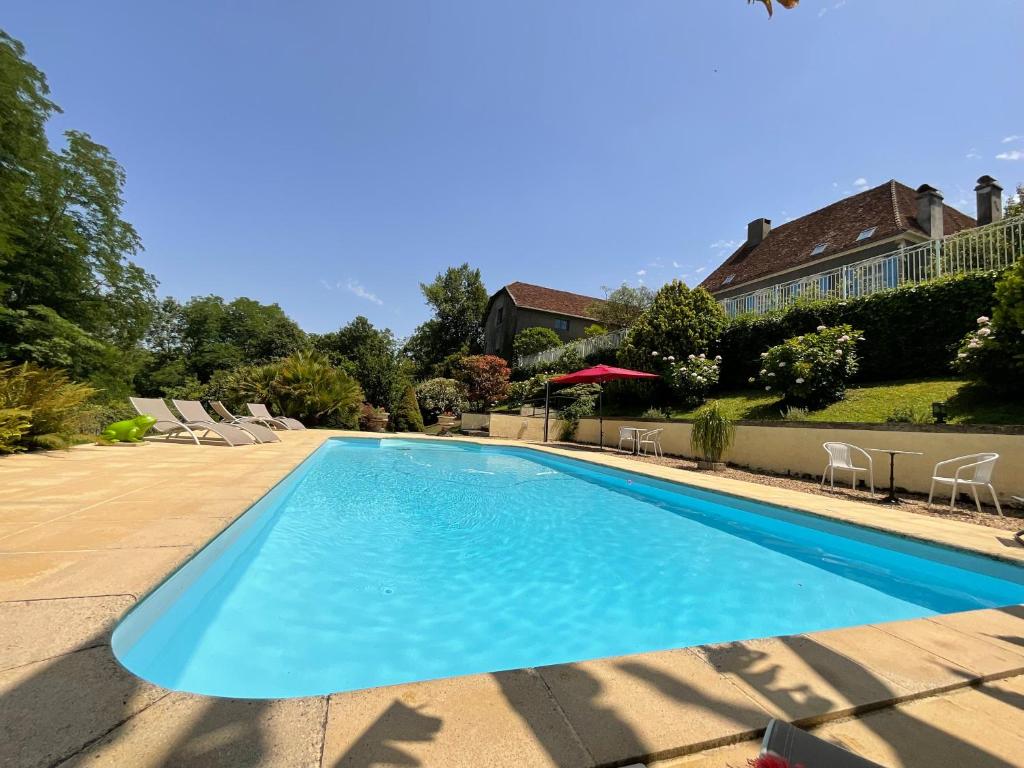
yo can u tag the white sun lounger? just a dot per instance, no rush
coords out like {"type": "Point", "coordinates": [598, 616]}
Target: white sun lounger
{"type": "Point", "coordinates": [259, 410]}
{"type": "Point", "coordinates": [168, 424]}
{"type": "Point", "coordinates": [222, 411]}
{"type": "Point", "coordinates": [193, 412]}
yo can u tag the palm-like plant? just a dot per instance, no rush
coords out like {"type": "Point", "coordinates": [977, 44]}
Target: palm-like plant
{"type": "Point", "coordinates": [783, 3]}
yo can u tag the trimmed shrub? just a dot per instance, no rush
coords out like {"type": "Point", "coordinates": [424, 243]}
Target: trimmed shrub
{"type": "Point", "coordinates": [910, 332]}
{"type": "Point", "coordinates": [584, 405]}
{"type": "Point", "coordinates": [694, 377]}
{"type": "Point", "coordinates": [530, 341]}
{"type": "Point", "coordinates": [521, 391]}
{"type": "Point", "coordinates": [654, 413]}
{"type": "Point", "coordinates": [407, 416]}
{"type": "Point", "coordinates": [437, 396]}
{"type": "Point", "coordinates": [992, 354]}
{"type": "Point", "coordinates": [485, 378]}
{"type": "Point", "coordinates": [680, 322]}
{"type": "Point", "coordinates": [812, 370]}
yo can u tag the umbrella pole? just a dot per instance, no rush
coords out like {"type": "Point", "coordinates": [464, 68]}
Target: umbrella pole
{"type": "Point", "coordinates": [547, 407]}
{"type": "Point", "coordinates": [600, 414]}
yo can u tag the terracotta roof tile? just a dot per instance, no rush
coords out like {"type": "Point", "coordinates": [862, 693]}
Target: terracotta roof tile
{"type": "Point", "coordinates": [549, 300]}
{"type": "Point", "coordinates": [890, 207]}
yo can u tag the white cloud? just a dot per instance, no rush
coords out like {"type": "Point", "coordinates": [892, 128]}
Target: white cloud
{"type": "Point", "coordinates": [721, 245]}
{"type": "Point", "coordinates": [639, 281]}
{"type": "Point", "coordinates": [1015, 137]}
{"type": "Point", "coordinates": [860, 182]}
{"type": "Point", "coordinates": [972, 154]}
{"type": "Point", "coordinates": [698, 270]}
{"type": "Point", "coordinates": [835, 185]}
{"type": "Point", "coordinates": [353, 286]}
{"type": "Point", "coordinates": [1013, 154]}
{"type": "Point", "coordinates": [822, 12]}
{"type": "Point", "coordinates": [641, 272]}
{"type": "Point", "coordinates": [326, 285]}
{"type": "Point", "coordinates": [676, 265]}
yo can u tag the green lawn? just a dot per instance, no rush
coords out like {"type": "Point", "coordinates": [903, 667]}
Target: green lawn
{"type": "Point", "coordinates": [873, 404]}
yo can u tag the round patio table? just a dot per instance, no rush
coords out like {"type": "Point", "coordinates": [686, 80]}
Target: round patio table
{"type": "Point", "coordinates": [892, 498]}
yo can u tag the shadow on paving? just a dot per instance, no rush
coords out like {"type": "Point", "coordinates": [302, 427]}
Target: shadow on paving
{"type": "Point", "coordinates": [915, 741]}
{"type": "Point", "coordinates": [79, 699]}
{"type": "Point", "coordinates": [380, 744]}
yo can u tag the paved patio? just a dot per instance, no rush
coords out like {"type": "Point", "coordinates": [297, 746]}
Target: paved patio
{"type": "Point", "coordinates": [84, 534]}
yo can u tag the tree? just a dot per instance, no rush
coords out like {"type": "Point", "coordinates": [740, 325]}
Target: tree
{"type": "Point", "coordinates": [374, 357]}
{"type": "Point", "coordinates": [457, 298]}
{"type": "Point", "coordinates": [530, 341]}
{"type": "Point", "coordinates": [783, 3]}
{"type": "Point", "coordinates": [679, 322]}
{"type": "Point", "coordinates": [485, 378]}
{"type": "Point", "coordinates": [1015, 203]}
{"type": "Point", "coordinates": [69, 294]}
{"type": "Point", "coordinates": [623, 306]}
{"type": "Point", "coordinates": [407, 417]}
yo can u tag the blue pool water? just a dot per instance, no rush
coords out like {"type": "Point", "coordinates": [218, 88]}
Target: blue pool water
{"type": "Point", "coordinates": [389, 561]}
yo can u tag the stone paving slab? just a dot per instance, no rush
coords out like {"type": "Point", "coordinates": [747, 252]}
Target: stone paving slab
{"type": "Point", "coordinates": [503, 720]}
{"type": "Point", "coordinates": [71, 535]}
{"type": "Point", "coordinates": [203, 732]}
{"type": "Point", "coordinates": [52, 708]}
{"type": "Point", "coordinates": [649, 705]}
{"type": "Point", "coordinates": [976, 653]}
{"type": "Point", "coordinates": [34, 630]}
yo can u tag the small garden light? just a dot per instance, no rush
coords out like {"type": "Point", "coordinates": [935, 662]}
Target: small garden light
{"type": "Point", "coordinates": [939, 412]}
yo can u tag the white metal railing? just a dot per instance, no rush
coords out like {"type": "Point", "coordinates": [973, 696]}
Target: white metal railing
{"type": "Point", "coordinates": [993, 246]}
{"type": "Point", "coordinates": [583, 347]}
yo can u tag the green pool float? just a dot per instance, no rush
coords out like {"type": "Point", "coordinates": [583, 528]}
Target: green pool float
{"type": "Point", "coordinates": [127, 431]}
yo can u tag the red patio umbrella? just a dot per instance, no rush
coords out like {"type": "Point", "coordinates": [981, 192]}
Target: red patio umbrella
{"type": "Point", "coordinates": [599, 374]}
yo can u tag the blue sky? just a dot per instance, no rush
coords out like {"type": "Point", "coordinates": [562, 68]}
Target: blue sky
{"type": "Point", "coordinates": [330, 155]}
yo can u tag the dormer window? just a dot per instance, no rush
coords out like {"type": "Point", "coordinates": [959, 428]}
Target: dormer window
{"type": "Point", "coordinates": [866, 234]}
{"type": "Point", "coordinates": [819, 249]}
{"type": "Point", "coordinates": [728, 280]}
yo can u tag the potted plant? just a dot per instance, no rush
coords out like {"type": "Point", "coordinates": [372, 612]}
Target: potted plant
{"type": "Point", "coordinates": [372, 419]}
{"type": "Point", "coordinates": [446, 421]}
{"type": "Point", "coordinates": [711, 436]}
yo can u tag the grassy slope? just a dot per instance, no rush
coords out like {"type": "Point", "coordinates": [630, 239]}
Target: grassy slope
{"type": "Point", "coordinates": [874, 403]}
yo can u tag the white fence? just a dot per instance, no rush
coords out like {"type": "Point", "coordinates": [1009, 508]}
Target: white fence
{"type": "Point", "coordinates": [993, 246]}
{"type": "Point", "coordinates": [582, 347]}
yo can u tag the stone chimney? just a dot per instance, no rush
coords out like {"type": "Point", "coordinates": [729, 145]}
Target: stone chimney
{"type": "Point", "coordinates": [758, 230]}
{"type": "Point", "coordinates": [990, 200]}
{"type": "Point", "coordinates": [929, 210]}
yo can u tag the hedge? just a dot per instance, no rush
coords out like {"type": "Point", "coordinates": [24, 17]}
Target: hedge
{"type": "Point", "coordinates": [909, 333]}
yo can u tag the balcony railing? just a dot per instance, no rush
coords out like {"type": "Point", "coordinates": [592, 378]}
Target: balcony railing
{"type": "Point", "coordinates": [982, 249]}
{"type": "Point", "coordinates": [583, 347]}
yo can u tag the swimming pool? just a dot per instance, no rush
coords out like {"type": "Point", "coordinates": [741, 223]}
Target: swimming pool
{"type": "Point", "coordinates": [381, 561]}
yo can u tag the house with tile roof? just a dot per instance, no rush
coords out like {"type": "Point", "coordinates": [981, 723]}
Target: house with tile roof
{"type": "Point", "coordinates": [522, 305]}
{"type": "Point", "coordinates": [871, 223]}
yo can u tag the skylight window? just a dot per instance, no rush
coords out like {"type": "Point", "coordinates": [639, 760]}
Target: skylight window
{"type": "Point", "coordinates": [866, 234]}
{"type": "Point", "coordinates": [728, 280]}
{"type": "Point", "coordinates": [819, 249]}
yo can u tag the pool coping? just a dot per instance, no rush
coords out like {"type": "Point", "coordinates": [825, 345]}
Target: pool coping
{"type": "Point", "coordinates": [598, 712]}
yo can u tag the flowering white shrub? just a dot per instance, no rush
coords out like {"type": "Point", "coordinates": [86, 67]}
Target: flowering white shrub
{"type": "Point", "coordinates": [437, 396]}
{"type": "Point", "coordinates": [694, 377]}
{"type": "Point", "coordinates": [812, 370]}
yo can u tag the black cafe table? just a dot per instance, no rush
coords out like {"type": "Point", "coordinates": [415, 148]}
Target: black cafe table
{"type": "Point", "coordinates": [892, 498]}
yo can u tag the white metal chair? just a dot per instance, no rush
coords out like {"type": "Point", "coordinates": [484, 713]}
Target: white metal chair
{"type": "Point", "coordinates": [651, 437]}
{"type": "Point", "coordinates": [628, 433]}
{"type": "Point", "coordinates": [973, 471]}
{"type": "Point", "coordinates": [840, 457]}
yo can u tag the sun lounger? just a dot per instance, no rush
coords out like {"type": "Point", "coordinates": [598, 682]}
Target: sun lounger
{"type": "Point", "coordinates": [222, 410]}
{"type": "Point", "coordinates": [193, 412]}
{"type": "Point", "coordinates": [798, 747]}
{"type": "Point", "coordinates": [168, 424]}
{"type": "Point", "coordinates": [259, 410]}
